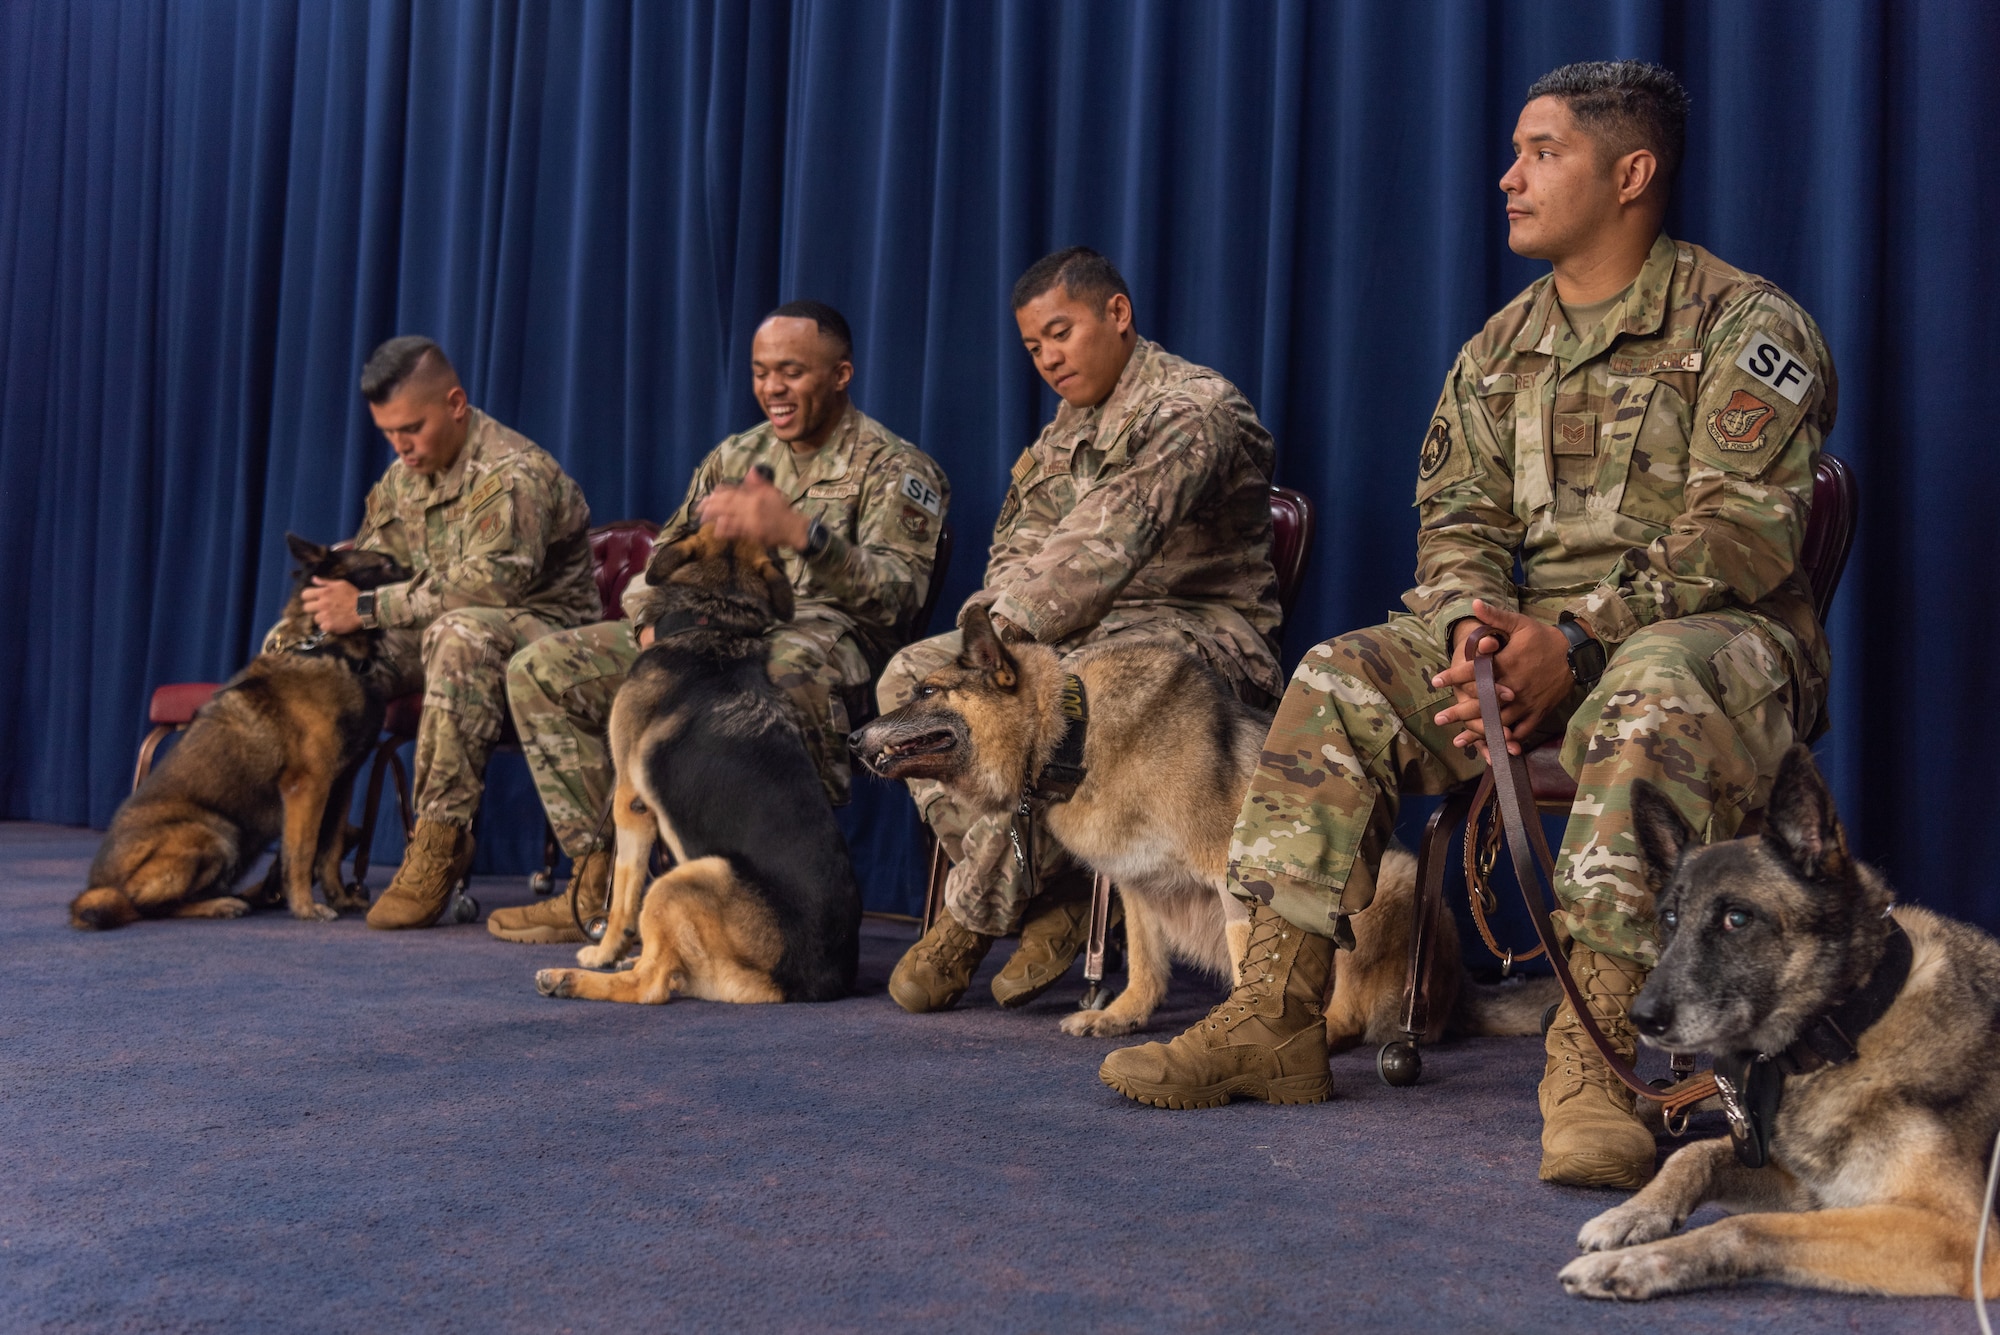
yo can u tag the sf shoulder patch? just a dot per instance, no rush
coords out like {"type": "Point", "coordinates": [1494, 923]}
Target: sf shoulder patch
{"type": "Point", "coordinates": [1773, 364]}
{"type": "Point", "coordinates": [1739, 425]}
{"type": "Point", "coordinates": [1437, 449]}
{"type": "Point", "coordinates": [922, 493]}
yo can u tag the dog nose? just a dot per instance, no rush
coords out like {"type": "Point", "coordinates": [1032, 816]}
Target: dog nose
{"type": "Point", "coordinates": [854, 745]}
{"type": "Point", "coordinates": [1652, 1014]}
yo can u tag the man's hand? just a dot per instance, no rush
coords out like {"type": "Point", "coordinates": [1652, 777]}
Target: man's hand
{"type": "Point", "coordinates": [756, 510]}
{"type": "Point", "coordinates": [646, 636]}
{"type": "Point", "coordinates": [331, 603]}
{"type": "Point", "coordinates": [1531, 673]}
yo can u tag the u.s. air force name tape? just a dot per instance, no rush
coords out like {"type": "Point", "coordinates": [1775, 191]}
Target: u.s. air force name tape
{"type": "Point", "coordinates": [1766, 358]}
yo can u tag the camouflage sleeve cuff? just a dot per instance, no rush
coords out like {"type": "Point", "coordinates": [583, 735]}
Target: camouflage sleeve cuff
{"type": "Point", "coordinates": [1605, 614]}
{"type": "Point", "coordinates": [1010, 607]}
{"type": "Point", "coordinates": [1453, 612]}
{"type": "Point", "coordinates": [392, 606]}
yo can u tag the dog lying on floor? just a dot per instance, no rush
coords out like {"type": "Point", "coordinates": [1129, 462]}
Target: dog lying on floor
{"type": "Point", "coordinates": [1862, 1053]}
{"type": "Point", "coordinates": [1168, 754]}
{"type": "Point", "coordinates": [761, 904]}
{"type": "Point", "coordinates": [272, 756]}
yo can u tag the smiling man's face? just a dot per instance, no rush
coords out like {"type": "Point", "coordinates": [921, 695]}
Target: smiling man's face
{"type": "Point", "coordinates": [800, 380]}
{"type": "Point", "coordinates": [1079, 350]}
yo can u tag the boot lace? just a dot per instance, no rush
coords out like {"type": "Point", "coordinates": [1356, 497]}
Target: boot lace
{"type": "Point", "coordinates": [1260, 952]}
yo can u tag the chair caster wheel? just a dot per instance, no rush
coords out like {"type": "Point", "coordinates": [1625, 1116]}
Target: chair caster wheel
{"type": "Point", "coordinates": [464, 909]}
{"type": "Point", "coordinates": [594, 927]}
{"type": "Point", "coordinates": [1549, 1017]}
{"type": "Point", "coordinates": [1094, 999]}
{"type": "Point", "coordinates": [542, 883]}
{"type": "Point", "coordinates": [1399, 1064]}
{"type": "Point", "coordinates": [358, 890]}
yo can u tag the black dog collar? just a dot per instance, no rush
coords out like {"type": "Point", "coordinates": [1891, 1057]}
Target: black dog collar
{"type": "Point", "coordinates": [1752, 1084]}
{"type": "Point", "coordinates": [673, 623]}
{"type": "Point", "coordinates": [1061, 777]}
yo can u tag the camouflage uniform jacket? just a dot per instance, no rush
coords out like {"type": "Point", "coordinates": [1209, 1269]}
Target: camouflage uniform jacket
{"type": "Point", "coordinates": [1153, 505]}
{"type": "Point", "coordinates": [504, 526]}
{"type": "Point", "coordinates": [1659, 467]}
{"type": "Point", "coordinates": [882, 501]}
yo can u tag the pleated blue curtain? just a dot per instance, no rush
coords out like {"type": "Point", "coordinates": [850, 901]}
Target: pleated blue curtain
{"type": "Point", "coordinates": [209, 212]}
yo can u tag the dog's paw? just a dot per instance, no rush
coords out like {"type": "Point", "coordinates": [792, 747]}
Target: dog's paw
{"type": "Point", "coordinates": [226, 906]}
{"type": "Point", "coordinates": [553, 982]}
{"type": "Point", "coordinates": [1099, 1024]}
{"type": "Point", "coordinates": [316, 913]}
{"type": "Point", "coordinates": [342, 902]}
{"type": "Point", "coordinates": [1626, 1226]}
{"type": "Point", "coordinates": [1630, 1275]}
{"type": "Point", "coordinates": [601, 955]}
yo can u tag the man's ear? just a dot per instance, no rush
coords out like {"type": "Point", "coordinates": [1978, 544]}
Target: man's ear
{"type": "Point", "coordinates": [1800, 823]}
{"type": "Point", "coordinates": [1663, 834]}
{"type": "Point", "coordinates": [779, 587]}
{"type": "Point", "coordinates": [982, 650]}
{"type": "Point", "coordinates": [307, 554]}
{"type": "Point", "coordinates": [666, 560]}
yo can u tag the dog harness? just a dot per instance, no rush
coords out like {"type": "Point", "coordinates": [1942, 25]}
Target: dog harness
{"type": "Point", "coordinates": [1753, 1083]}
{"type": "Point", "coordinates": [1058, 780]}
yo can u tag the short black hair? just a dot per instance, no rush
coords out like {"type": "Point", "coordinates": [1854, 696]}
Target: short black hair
{"type": "Point", "coordinates": [1083, 273]}
{"type": "Point", "coordinates": [830, 321]}
{"type": "Point", "coordinates": [1626, 104]}
{"type": "Point", "coordinates": [392, 366]}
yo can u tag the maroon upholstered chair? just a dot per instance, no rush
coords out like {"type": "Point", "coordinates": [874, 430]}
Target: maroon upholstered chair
{"type": "Point", "coordinates": [618, 551]}
{"type": "Point", "coordinates": [1829, 534]}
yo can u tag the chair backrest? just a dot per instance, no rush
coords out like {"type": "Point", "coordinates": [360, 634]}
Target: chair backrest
{"type": "Point", "coordinates": [1291, 543]}
{"type": "Point", "coordinates": [618, 551]}
{"type": "Point", "coordinates": [920, 624]}
{"type": "Point", "coordinates": [1836, 505]}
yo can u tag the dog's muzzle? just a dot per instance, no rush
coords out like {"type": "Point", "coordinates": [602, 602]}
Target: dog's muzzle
{"type": "Point", "coordinates": [880, 757]}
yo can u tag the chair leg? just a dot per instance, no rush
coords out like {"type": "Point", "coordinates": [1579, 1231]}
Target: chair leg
{"type": "Point", "coordinates": [146, 749]}
{"type": "Point", "coordinates": [543, 882]}
{"type": "Point", "coordinates": [1401, 1062]}
{"type": "Point", "coordinates": [371, 805]}
{"type": "Point", "coordinates": [1094, 996]}
{"type": "Point", "coordinates": [934, 892]}
{"type": "Point", "coordinates": [404, 808]}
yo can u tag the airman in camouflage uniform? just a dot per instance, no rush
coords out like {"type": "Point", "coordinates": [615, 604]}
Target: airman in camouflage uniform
{"type": "Point", "coordinates": [499, 542]}
{"type": "Point", "coordinates": [1646, 463]}
{"type": "Point", "coordinates": [1144, 516]}
{"type": "Point", "coordinates": [880, 502]}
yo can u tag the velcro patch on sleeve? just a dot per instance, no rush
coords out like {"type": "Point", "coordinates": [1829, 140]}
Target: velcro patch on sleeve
{"type": "Point", "coordinates": [916, 490]}
{"type": "Point", "coordinates": [1772, 363]}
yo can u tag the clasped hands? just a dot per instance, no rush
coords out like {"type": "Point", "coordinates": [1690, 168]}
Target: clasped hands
{"type": "Point", "coordinates": [1530, 670]}
{"type": "Point", "coordinates": [753, 509]}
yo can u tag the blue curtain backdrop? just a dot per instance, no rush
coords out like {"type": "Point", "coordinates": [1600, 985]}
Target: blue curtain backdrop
{"type": "Point", "coordinates": [210, 211]}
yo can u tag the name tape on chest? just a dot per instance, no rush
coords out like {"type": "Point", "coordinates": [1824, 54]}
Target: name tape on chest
{"type": "Point", "coordinates": [920, 492]}
{"type": "Point", "coordinates": [1767, 360]}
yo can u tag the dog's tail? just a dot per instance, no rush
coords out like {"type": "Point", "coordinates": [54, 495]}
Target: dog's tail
{"type": "Point", "coordinates": [102, 908]}
{"type": "Point", "coordinates": [1504, 1010]}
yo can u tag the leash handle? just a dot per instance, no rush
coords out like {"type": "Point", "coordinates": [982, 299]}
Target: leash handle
{"type": "Point", "coordinates": [1534, 868]}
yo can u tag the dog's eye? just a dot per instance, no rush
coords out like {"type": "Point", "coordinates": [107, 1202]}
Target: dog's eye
{"type": "Point", "coordinates": [926, 692]}
{"type": "Point", "coordinates": [1735, 920]}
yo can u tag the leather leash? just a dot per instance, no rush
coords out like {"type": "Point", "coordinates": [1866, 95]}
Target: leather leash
{"type": "Point", "coordinates": [1534, 868]}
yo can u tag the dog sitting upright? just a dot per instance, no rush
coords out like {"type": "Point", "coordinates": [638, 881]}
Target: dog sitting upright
{"type": "Point", "coordinates": [1861, 1051]}
{"type": "Point", "coordinates": [273, 754]}
{"type": "Point", "coordinates": [761, 904]}
{"type": "Point", "coordinates": [1167, 755]}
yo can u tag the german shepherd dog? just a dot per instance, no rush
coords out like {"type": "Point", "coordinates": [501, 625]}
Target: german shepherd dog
{"type": "Point", "coordinates": [1168, 754]}
{"type": "Point", "coordinates": [272, 756]}
{"type": "Point", "coordinates": [761, 904]}
{"type": "Point", "coordinates": [1874, 1166]}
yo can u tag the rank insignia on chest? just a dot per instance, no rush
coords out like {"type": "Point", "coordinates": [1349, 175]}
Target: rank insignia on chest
{"type": "Point", "coordinates": [1437, 448]}
{"type": "Point", "coordinates": [1738, 424]}
{"type": "Point", "coordinates": [1576, 434]}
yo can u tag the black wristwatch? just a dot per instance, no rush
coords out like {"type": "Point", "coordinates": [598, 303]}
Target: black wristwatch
{"type": "Point", "coordinates": [1586, 653]}
{"type": "Point", "coordinates": [817, 537]}
{"type": "Point", "coordinates": [364, 607]}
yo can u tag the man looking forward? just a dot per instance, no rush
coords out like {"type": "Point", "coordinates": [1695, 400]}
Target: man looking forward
{"type": "Point", "coordinates": [1638, 431]}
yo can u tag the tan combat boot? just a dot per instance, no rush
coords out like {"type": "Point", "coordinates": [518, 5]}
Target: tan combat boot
{"type": "Point", "coordinates": [549, 921]}
{"type": "Point", "coordinates": [435, 861]}
{"type": "Point", "coordinates": [1057, 925]}
{"type": "Point", "coordinates": [1266, 1041]}
{"type": "Point", "coordinates": [934, 973]}
{"type": "Point", "coordinates": [1591, 1135]}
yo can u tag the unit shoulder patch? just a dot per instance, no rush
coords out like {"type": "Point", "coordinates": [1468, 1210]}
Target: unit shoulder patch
{"type": "Point", "coordinates": [1436, 449]}
{"type": "Point", "coordinates": [1739, 424]}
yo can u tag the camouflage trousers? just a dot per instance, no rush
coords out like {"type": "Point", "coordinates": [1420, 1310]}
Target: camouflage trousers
{"type": "Point", "coordinates": [1702, 706]}
{"type": "Point", "coordinates": [561, 690]}
{"type": "Point", "coordinates": [988, 889]}
{"type": "Point", "coordinates": [459, 662]}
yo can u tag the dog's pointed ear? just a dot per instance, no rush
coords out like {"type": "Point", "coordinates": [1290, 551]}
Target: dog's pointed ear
{"type": "Point", "coordinates": [779, 586]}
{"type": "Point", "coordinates": [665, 560]}
{"type": "Point", "coordinates": [1800, 823]}
{"type": "Point", "coordinates": [307, 554]}
{"type": "Point", "coordinates": [982, 651]}
{"type": "Point", "coordinates": [1663, 834]}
